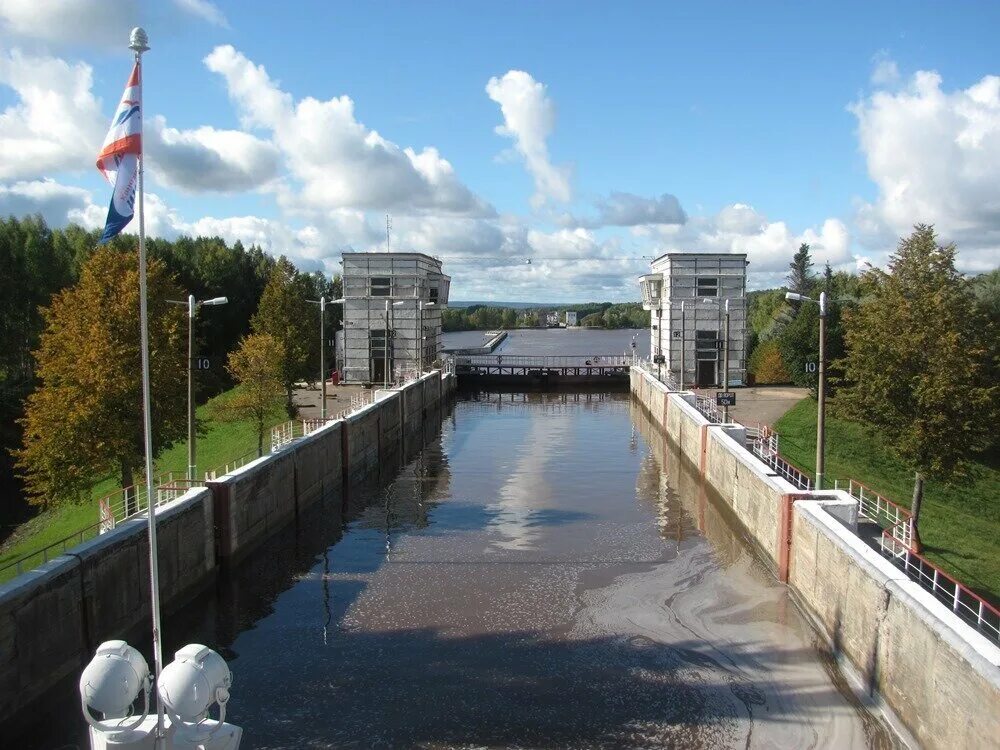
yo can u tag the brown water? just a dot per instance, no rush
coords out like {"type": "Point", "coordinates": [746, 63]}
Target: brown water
{"type": "Point", "coordinates": [544, 573]}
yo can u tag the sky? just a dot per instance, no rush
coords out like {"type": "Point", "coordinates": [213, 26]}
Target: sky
{"type": "Point", "coordinates": [583, 137]}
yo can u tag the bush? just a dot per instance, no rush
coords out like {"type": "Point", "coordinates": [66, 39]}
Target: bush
{"type": "Point", "coordinates": [767, 366]}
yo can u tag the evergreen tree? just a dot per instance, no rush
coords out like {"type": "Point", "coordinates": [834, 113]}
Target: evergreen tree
{"type": "Point", "coordinates": [918, 365]}
{"type": "Point", "coordinates": [800, 279]}
{"type": "Point", "coordinates": [284, 313]}
{"type": "Point", "coordinates": [85, 419]}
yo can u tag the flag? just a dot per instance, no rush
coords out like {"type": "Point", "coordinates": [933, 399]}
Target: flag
{"type": "Point", "coordinates": [119, 157]}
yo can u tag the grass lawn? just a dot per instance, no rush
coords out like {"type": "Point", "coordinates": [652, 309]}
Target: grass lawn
{"type": "Point", "coordinates": [219, 442]}
{"type": "Point", "coordinates": [959, 524]}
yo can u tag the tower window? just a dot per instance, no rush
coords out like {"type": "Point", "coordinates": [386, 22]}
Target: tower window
{"type": "Point", "coordinates": [708, 286]}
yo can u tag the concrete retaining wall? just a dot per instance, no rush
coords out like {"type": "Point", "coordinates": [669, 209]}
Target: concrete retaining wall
{"type": "Point", "coordinates": [51, 619]}
{"type": "Point", "coordinates": [897, 642]}
{"type": "Point", "coordinates": [936, 679]}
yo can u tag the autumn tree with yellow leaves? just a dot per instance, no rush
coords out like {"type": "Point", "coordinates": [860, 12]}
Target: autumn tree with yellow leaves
{"type": "Point", "coordinates": [84, 421]}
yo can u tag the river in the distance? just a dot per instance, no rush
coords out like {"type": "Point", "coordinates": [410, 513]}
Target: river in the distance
{"type": "Point", "coordinates": [545, 573]}
{"type": "Point", "coordinates": [558, 341]}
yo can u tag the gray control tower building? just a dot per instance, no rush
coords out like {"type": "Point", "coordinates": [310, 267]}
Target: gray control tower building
{"type": "Point", "coordinates": [392, 315]}
{"type": "Point", "coordinates": [704, 283]}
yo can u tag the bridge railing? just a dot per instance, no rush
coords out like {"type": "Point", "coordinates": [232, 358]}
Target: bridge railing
{"type": "Point", "coordinates": [526, 360]}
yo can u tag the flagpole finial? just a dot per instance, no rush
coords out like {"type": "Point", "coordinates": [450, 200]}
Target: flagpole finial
{"type": "Point", "coordinates": [138, 41]}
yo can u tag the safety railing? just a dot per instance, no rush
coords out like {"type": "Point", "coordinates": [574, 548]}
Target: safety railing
{"type": "Point", "coordinates": [966, 604]}
{"type": "Point", "coordinates": [765, 446]}
{"type": "Point", "coordinates": [293, 429]}
{"type": "Point", "coordinates": [525, 360]}
{"type": "Point", "coordinates": [113, 509]}
{"type": "Point", "coordinates": [711, 412]}
{"type": "Point", "coordinates": [659, 372]}
{"type": "Point", "coordinates": [880, 510]}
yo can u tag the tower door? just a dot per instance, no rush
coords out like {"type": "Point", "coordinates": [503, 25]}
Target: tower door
{"type": "Point", "coordinates": [706, 373]}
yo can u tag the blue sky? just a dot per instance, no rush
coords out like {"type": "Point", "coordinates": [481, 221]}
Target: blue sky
{"type": "Point", "coordinates": [631, 129]}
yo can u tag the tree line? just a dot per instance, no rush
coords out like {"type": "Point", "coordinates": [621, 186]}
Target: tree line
{"type": "Point", "coordinates": [69, 347]}
{"type": "Point", "coordinates": [592, 314]}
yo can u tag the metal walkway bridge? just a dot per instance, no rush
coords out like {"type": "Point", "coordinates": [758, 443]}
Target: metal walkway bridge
{"type": "Point", "coordinates": [541, 370]}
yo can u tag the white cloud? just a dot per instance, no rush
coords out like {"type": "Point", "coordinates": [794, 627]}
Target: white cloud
{"type": "Point", "coordinates": [98, 22]}
{"type": "Point", "coordinates": [885, 72]}
{"type": "Point", "coordinates": [339, 162]}
{"type": "Point", "coordinates": [56, 125]}
{"type": "Point", "coordinates": [935, 158]}
{"type": "Point", "coordinates": [205, 10]}
{"type": "Point", "coordinates": [53, 201]}
{"type": "Point", "coordinates": [206, 159]}
{"type": "Point", "coordinates": [769, 245]}
{"type": "Point", "coordinates": [529, 119]}
{"type": "Point", "coordinates": [629, 210]}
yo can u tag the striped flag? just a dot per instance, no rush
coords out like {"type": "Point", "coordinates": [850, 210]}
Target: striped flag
{"type": "Point", "coordinates": [119, 158]}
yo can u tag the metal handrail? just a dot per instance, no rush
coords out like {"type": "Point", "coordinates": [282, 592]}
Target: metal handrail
{"type": "Point", "coordinates": [963, 602]}
{"type": "Point", "coordinates": [527, 360]}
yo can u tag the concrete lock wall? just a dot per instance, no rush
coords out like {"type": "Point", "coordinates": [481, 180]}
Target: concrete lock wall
{"type": "Point", "coordinates": [254, 501]}
{"type": "Point", "coordinates": [51, 619]}
{"type": "Point", "coordinates": [936, 679]}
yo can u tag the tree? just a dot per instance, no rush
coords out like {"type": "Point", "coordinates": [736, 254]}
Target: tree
{"type": "Point", "coordinates": [918, 362]}
{"type": "Point", "coordinates": [285, 314]}
{"type": "Point", "coordinates": [257, 366]}
{"type": "Point", "coordinates": [800, 279]}
{"type": "Point", "coordinates": [766, 364]}
{"type": "Point", "coordinates": [85, 420]}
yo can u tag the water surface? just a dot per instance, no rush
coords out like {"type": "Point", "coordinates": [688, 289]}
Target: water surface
{"type": "Point", "coordinates": [544, 573]}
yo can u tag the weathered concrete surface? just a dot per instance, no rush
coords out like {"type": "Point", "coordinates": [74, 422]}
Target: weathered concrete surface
{"type": "Point", "coordinates": [361, 444]}
{"type": "Point", "coordinates": [318, 465]}
{"type": "Point", "coordinates": [756, 495]}
{"type": "Point", "coordinates": [51, 619]}
{"type": "Point", "coordinates": [938, 677]}
{"type": "Point", "coordinates": [254, 501]}
{"type": "Point", "coordinates": [935, 678]}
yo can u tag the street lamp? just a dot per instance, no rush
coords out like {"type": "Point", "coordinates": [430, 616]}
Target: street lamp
{"type": "Point", "coordinates": [193, 306]}
{"type": "Point", "coordinates": [683, 339]}
{"type": "Point", "coordinates": [821, 387]}
{"type": "Point", "coordinates": [725, 354]}
{"type": "Point", "coordinates": [386, 366]}
{"type": "Point", "coordinates": [323, 302]}
{"type": "Point", "coordinates": [420, 356]}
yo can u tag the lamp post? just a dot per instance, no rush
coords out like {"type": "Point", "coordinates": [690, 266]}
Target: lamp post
{"type": "Point", "coordinates": [323, 302]}
{"type": "Point", "coordinates": [193, 306]}
{"type": "Point", "coordinates": [388, 327]}
{"type": "Point", "coordinates": [420, 356]}
{"type": "Point", "coordinates": [683, 337]}
{"type": "Point", "coordinates": [821, 386]}
{"type": "Point", "coordinates": [725, 351]}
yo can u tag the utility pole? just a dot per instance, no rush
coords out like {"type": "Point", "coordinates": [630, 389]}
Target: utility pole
{"type": "Point", "coordinates": [388, 229]}
{"type": "Point", "coordinates": [322, 357]}
{"type": "Point", "coordinates": [821, 395]}
{"type": "Point", "coordinates": [191, 456]}
{"type": "Point", "coordinates": [681, 385]}
{"type": "Point", "coordinates": [725, 365]}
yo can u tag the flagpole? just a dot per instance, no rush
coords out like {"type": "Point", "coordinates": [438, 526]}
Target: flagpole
{"type": "Point", "coordinates": [139, 43]}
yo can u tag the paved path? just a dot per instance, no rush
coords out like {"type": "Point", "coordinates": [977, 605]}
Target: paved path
{"type": "Point", "coordinates": [338, 397]}
{"type": "Point", "coordinates": [764, 404]}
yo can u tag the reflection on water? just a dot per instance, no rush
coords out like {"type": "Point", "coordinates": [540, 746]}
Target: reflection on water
{"type": "Point", "coordinates": [545, 572]}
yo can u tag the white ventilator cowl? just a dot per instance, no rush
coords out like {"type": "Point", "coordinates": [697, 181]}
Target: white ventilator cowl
{"type": "Point", "coordinates": [193, 681]}
{"type": "Point", "coordinates": [113, 679]}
